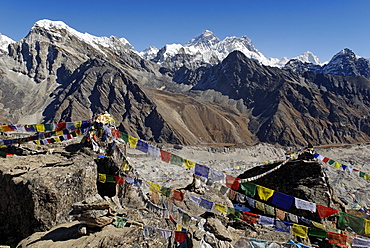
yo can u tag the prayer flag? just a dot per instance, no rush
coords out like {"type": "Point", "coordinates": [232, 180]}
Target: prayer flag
{"type": "Point", "coordinates": [189, 164]}
{"type": "Point", "coordinates": [220, 207]}
{"type": "Point", "coordinates": [300, 231]}
{"type": "Point", "coordinates": [350, 223]}
{"type": "Point", "coordinates": [180, 236]}
{"type": "Point", "coordinates": [233, 213]}
{"type": "Point", "coordinates": [166, 191]}
{"type": "Point", "coordinates": [325, 211]}
{"type": "Point", "coordinates": [264, 193]}
{"type": "Point", "coordinates": [110, 179]}
{"type": "Point", "coordinates": [201, 170]}
{"type": "Point", "coordinates": [166, 234]}
{"type": "Point", "coordinates": [319, 225]}
{"type": "Point", "coordinates": [165, 156]}
{"type": "Point", "coordinates": [206, 204]}
{"type": "Point", "coordinates": [249, 188]}
{"type": "Point", "coordinates": [282, 226]}
{"type": "Point", "coordinates": [305, 205]}
{"type": "Point", "coordinates": [153, 151]}
{"type": "Point", "coordinates": [132, 141]}
{"type": "Point", "coordinates": [367, 227]}
{"type": "Point", "coordinates": [154, 187]}
{"type": "Point", "coordinates": [216, 176]}
{"type": "Point", "coordinates": [177, 195]}
{"type": "Point", "coordinates": [325, 159]}
{"type": "Point", "coordinates": [102, 178]}
{"type": "Point", "coordinates": [280, 214]}
{"type": "Point", "coordinates": [331, 162]}
{"type": "Point", "coordinates": [267, 221]}
{"type": "Point", "coordinates": [260, 205]}
{"type": "Point", "coordinates": [176, 160]}
{"type": "Point", "coordinates": [119, 180]}
{"type": "Point", "coordinates": [232, 182]}
{"type": "Point", "coordinates": [282, 200]}
{"type": "Point", "coordinates": [316, 232]}
{"type": "Point", "coordinates": [360, 242]}
{"type": "Point", "coordinates": [40, 128]}
{"type": "Point", "coordinates": [142, 146]}
{"type": "Point", "coordinates": [337, 239]}
{"type": "Point", "coordinates": [249, 217]}
{"type": "Point", "coordinates": [124, 136]}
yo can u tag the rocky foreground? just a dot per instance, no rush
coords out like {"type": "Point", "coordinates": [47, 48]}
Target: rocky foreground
{"type": "Point", "coordinates": [53, 196]}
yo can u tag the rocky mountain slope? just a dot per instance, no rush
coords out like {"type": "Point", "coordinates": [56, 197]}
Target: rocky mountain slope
{"type": "Point", "coordinates": [57, 74]}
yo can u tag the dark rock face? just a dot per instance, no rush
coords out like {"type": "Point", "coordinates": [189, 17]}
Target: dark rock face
{"type": "Point", "coordinates": [38, 192]}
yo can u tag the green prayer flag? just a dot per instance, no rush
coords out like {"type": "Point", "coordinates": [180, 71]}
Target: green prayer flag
{"type": "Point", "coordinates": [351, 223]}
{"type": "Point", "coordinates": [166, 191]}
{"type": "Point", "coordinates": [176, 160]}
{"type": "Point", "coordinates": [316, 232]}
{"type": "Point", "coordinates": [110, 179]}
{"type": "Point", "coordinates": [120, 222]}
{"type": "Point", "coordinates": [249, 188]}
{"type": "Point", "coordinates": [331, 162]}
{"type": "Point", "coordinates": [362, 174]}
{"type": "Point", "coordinates": [233, 213]}
{"type": "Point", "coordinates": [124, 136]}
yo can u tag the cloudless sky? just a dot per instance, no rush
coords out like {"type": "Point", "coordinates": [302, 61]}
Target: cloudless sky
{"type": "Point", "coordinates": [277, 28]}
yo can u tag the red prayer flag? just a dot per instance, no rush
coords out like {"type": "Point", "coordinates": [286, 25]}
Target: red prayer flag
{"type": "Point", "coordinates": [180, 236]}
{"type": "Point", "coordinates": [337, 239]}
{"type": "Point", "coordinates": [232, 182]}
{"type": "Point", "coordinates": [165, 156]}
{"type": "Point", "coordinates": [178, 195]}
{"type": "Point", "coordinates": [119, 180]}
{"type": "Point", "coordinates": [325, 211]}
{"type": "Point", "coordinates": [325, 160]}
{"type": "Point", "coordinates": [249, 217]}
{"type": "Point", "coordinates": [60, 126]}
{"type": "Point", "coordinates": [171, 219]}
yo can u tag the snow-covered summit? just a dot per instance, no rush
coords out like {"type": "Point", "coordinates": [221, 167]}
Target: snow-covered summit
{"type": "Point", "coordinates": [309, 57]}
{"type": "Point", "coordinates": [4, 42]}
{"type": "Point", "coordinates": [54, 27]}
{"type": "Point", "coordinates": [206, 40]}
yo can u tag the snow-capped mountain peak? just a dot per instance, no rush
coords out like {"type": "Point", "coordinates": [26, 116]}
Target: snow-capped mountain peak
{"type": "Point", "coordinates": [206, 39]}
{"type": "Point", "coordinates": [309, 57]}
{"type": "Point", "coordinates": [149, 53]}
{"type": "Point", "coordinates": [54, 27]}
{"type": "Point", "coordinates": [4, 42]}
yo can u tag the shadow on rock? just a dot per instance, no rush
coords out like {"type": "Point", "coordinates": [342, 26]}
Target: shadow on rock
{"type": "Point", "coordinates": [61, 234]}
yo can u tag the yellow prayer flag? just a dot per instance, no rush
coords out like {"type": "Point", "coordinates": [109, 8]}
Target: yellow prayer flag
{"type": "Point", "coordinates": [221, 208]}
{"type": "Point", "coordinates": [337, 165]}
{"type": "Point", "coordinates": [367, 227]}
{"type": "Point", "coordinates": [189, 164]}
{"type": "Point", "coordinates": [125, 166]}
{"type": "Point", "coordinates": [154, 187]}
{"type": "Point", "coordinates": [59, 133]}
{"type": "Point", "coordinates": [264, 193]}
{"type": "Point", "coordinates": [300, 231]}
{"type": "Point", "coordinates": [319, 225]}
{"type": "Point", "coordinates": [102, 178]}
{"type": "Point", "coordinates": [56, 138]}
{"type": "Point", "coordinates": [367, 176]}
{"type": "Point", "coordinates": [132, 141]}
{"type": "Point", "coordinates": [40, 128]}
{"type": "Point", "coordinates": [178, 227]}
{"type": "Point", "coordinates": [78, 124]}
{"type": "Point", "coordinates": [37, 142]}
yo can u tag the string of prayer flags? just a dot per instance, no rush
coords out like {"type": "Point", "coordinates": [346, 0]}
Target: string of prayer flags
{"type": "Point", "coordinates": [300, 231]}
{"type": "Point", "coordinates": [337, 239]}
{"type": "Point", "coordinates": [324, 211]}
{"type": "Point", "coordinates": [264, 193]}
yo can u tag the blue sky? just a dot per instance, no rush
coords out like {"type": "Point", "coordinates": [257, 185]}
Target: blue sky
{"type": "Point", "coordinates": [277, 28]}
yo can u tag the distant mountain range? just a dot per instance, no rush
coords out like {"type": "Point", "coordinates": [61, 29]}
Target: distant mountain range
{"type": "Point", "coordinates": [208, 91]}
